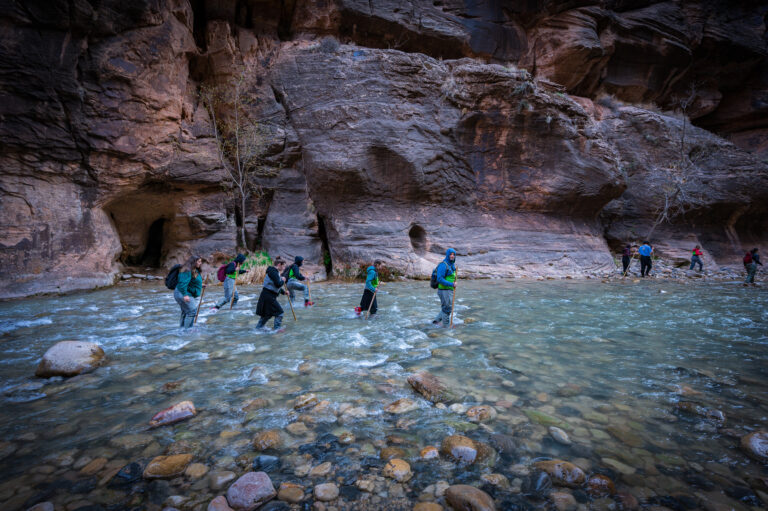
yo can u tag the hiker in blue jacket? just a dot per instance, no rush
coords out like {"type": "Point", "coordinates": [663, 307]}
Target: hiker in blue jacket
{"type": "Point", "coordinates": [371, 284]}
{"type": "Point", "coordinates": [189, 287]}
{"type": "Point", "coordinates": [446, 283]}
{"type": "Point", "coordinates": [232, 271]}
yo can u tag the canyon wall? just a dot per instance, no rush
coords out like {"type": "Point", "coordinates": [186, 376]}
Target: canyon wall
{"type": "Point", "coordinates": [533, 139]}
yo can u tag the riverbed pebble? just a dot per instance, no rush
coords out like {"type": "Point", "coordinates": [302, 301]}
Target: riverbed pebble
{"type": "Point", "coordinates": [173, 414]}
{"type": "Point", "coordinates": [462, 496]}
{"type": "Point", "coordinates": [326, 492]}
{"type": "Point", "coordinates": [250, 491]}
{"type": "Point", "coordinates": [269, 439]}
{"type": "Point", "coordinates": [403, 405]}
{"type": "Point", "coordinates": [70, 358]}
{"type": "Point", "coordinates": [219, 504]}
{"type": "Point", "coordinates": [482, 413]}
{"type": "Point", "coordinates": [397, 469]}
{"type": "Point", "coordinates": [290, 492]}
{"type": "Point", "coordinates": [755, 445]}
{"type": "Point", "coordinates": [163, 467]}
{"type": "Point", "coordinates": [563, 473]}
{"type": "Point", "coordinates": [459, 448]}
{"type": "Point", "coordinates": [305, 401]}
{"type": "Point", "coordinates": [219, 479]}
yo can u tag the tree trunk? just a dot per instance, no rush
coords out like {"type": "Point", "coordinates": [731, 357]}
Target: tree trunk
{"type": "Point", "coordinates": [242, 221]}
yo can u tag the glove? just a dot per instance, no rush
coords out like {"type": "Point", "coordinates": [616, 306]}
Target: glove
{"type": "Point", "coordinates": [243, 271]}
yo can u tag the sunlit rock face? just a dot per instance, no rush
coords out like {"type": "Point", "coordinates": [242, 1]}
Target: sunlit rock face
{"type": "Point", "coordinates": [395, 130]}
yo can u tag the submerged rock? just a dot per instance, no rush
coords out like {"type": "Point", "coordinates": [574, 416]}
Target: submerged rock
{"type": "Point", "coordinates": [162, 467]}
{"type": "Point", "coordinates": [269, 439]}
{"type": "Point", "coordinates": [326, 491]}
{"type": "Point", "coordinates": [173, 414]}
{"type": "Point", "coordinates": [401, 406]}
{"type": "Point", "coordinates": [305, 401]}
{"type": "Point", "coordinates": [755, 445]}
{"type": "Point", "coordinates": [250, 491]}
{"type": "Point", "coordinates": [70, 358]}
{"type": "Point", "coordinates": [469, 498]}
{"type": "Point", "coordinates": [482, 413]}
{"type": "Point", "coordinates": [599, 485]}
{"type": "Point", "coordinates": [459, 448]}
{"type": "Point", "coordinates": [219, 504]}
{"type": "Point", "coordinates": [429, 453]}
{"type": "Point", "coordinates": [545, 420]}
{"type": "Point", "coordinates": [562, 473]}
{"type": "Point", "coordinates": [430, 386]}
{"type": "Point", "coordinates": [559, 435]}
{"type": "Point", "coordinates": [397, 469]}
{"type": "Point", "coordinates": [290, 492]}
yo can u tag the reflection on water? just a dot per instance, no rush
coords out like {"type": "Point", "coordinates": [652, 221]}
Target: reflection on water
{"type": "Point", "coordinates": [608, 363]}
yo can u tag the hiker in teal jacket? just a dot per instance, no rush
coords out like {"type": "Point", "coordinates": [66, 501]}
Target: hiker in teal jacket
{"type": "Point", "coordinates": [188, 288]}
{"type": "Point", "coordinates": [232, 271]}
{"type": "Point", "coordinates": [371, 284]}
{"type": "Point", "coordinates": [446, 283]}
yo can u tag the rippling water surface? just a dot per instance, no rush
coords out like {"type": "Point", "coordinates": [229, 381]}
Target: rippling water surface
{"type": "Point", "coordinates": [609, 362]}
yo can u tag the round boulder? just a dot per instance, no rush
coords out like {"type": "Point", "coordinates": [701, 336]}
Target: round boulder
{"type": "Point", "coordinates": [459, 448]}
{"type": "Point", "coordinates": [465, 497]}
{"type": "Point", "coordinates": [250, 491]}
{"type": "Point", "coordinates": [755, 445]}
{"type": "Point", "coordinates": [70, 358]}
{"type": "Point", "coordinates": [562, 472]}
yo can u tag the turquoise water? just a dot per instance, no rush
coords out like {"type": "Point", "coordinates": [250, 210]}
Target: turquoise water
{"type": "Point", "coordinates": [609, 360]}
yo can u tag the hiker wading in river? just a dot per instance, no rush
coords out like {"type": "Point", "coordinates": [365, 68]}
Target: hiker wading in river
{"type": "Point", "coordinates": [188, 288]}
{"type": "Point", "coordinates": [231, 272]}
{"type": "Point", "coordinates": [292, 276]}
{"type": "Point", "coordinates": [268, 307]}
{"type": "Point", "coordinates": [645, 251]}
{"type": "Point", "coordinates": [446, 283]}
{"type": "Point", "coordinates": [369, 293]}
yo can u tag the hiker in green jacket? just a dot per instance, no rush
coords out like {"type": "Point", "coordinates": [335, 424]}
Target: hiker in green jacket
{"type": "Point", "coordinates": [188, 288]}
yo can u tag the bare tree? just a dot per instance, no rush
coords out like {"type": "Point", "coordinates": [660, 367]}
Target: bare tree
{"type": "Point", "coordinates": [240, 139]}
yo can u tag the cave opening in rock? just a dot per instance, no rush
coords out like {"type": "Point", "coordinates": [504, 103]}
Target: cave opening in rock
{"type": "Point", "coordinates": [199, 22]}
{"type": "Point", "coordinates": [323, 233]}
{"type": "Point", "coordinates": [153, 253]}
{"type": "Point", "coordinates": [418, 239]}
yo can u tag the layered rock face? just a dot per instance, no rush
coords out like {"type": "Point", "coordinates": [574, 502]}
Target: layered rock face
{"type": "Point", "coordinates": [396, 130]}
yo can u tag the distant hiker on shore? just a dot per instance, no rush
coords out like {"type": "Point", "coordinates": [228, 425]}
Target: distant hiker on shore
{"type": "Point", "coordinates": [696, 258]}
{"type": "Point", "coordinates": [751, 260]}
{"type": "Point", "coordinates": [445, 274]}
{"type": "Point", "coordinates": [189, 286]}
{"type": "Point", "coordinates": [230, 273]}
{"type": "Point", "coordinates": [268, 306]}
{"type": "Point", "coordinates": [626, 257]}
{"type": "Point", "coordinates": [293, 275]}
{"type": "Point", "coordinates": [369, 293]}
{"type": "Point", "coordinates": [645, 251]}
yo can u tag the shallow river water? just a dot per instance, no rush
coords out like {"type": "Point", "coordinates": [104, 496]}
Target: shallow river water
{"type": "Point", "coordinates": [606, 362]}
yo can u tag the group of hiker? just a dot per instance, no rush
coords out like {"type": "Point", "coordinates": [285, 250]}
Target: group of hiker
{"type": "Point", "coordinates": [751, 260]}
{"type": "Point", "coordinates": [187, 282]}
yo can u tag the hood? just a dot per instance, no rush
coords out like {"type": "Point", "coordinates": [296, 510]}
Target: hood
{"type": "Point", "coordinates": [448, 255]}
{"type": "Point", "coordinates": [240, 259]}
{"type": "Point", "coordinates": [298, 260]}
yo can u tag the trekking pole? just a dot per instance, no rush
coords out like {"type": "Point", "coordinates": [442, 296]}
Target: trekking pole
{"type": "Point", "coordinates": [234, 290]}
{"type": "Point", "coordinates": [290, 302]}
{"type": "Point", "coordinates": [309, 288]}
{"type": "Point", "coordinates": [372, 299]}
{"type": "Point", "coordinates": [202, 294]}
{"type": "Point", "coordinates": [453, 300]}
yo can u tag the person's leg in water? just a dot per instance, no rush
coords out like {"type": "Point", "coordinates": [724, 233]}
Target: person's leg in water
{"type": "Point", "coordinates": [262, 321]}
{"type": "Point", "coordinates": [278, 322]}
{"type": "Point", "coordinates": [624, 264]}
{"type": "Point", "coordinates": [229, 286]}
{"type": "Point", "coordinates": [751, 270]}
{"type": "Point", "coordinates": [294, 284]}
{"type": "Point", "coordinates": [446, 300]}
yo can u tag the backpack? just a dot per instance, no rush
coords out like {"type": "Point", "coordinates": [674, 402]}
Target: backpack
{"type": "Point", "coordinates": [172, 279]}
{"type": "Point", "coordinates": [222, 273]}
{"type": "Point", "coordinates": [748, 258]}
{"type": "Point", "coordinates": [433, 279]}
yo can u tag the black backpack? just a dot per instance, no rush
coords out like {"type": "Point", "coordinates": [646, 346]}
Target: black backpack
{"type": "Point", "coordinates": [433, 279]}
{"type": "Point", "coordinates": [172, 279]}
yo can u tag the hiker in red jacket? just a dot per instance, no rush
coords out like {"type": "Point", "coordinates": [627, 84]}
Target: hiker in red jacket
{"type": "Point", "coordinates": [696, 258]}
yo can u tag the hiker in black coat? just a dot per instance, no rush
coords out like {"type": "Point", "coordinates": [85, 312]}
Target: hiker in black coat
{"type": "Point", "coordinates": [268, 306]}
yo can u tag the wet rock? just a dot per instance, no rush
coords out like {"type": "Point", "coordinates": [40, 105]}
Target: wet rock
{"type": "Point", "coordinates": [43, 506]}
{"type": "Point", "coordinates": [599, 485]}
{"type": "Point", "coordinates": [297, 429]}
{"type": "Point", "coordinates": [618, 466]}
{"type": "Point", "coordinates": [427, 506]}
{"type": "Point", "coordinates": [387, 453]}
{"type": "Point", "coordinates": [219, 504]}
{"type": "Point", "coordinates": [545, 420]}
{"type": "Point", "coordinates": [173, 414]}
{"type": "Point", "coordinates": [256, 404]}
{"type": "Point", "coordinates": [196, 471]}
{"type": "Point", "coordinates": [321, 470]}
{"type": "Point", "coordinates": [269, 439]}
{"type": "Point", "coordinates": [482, 413]}
{"type": "Point", "coordinates": [346, 437]}
{"type": "Point", "coordinates": [564, 501]}
{"type": "Point", "coordinates": [505, 444]}
{"type": "Point", "coordinates": [397, 469]}
{"type": "Point", "coordinates": [559, 435]}
{"type": "Point", "coordinates": [563, 473]}
{"type": "Point", "coordinates": [250, 491]}
{"type": "Point", "coordinates": [127, 475]}
{"type": "Point", "coordinates": [625, 435]}
{"type": "Point", "coordinates": [465, 497]}
{"type": "Point", "coordinates": [366, 485]}
{"type": "Point", "coordinates": [163, 467]}
{"type": "Point", "coordinates": [459, 448]}
{"type": "Point", "coordinates": [711, 414]}
{"type": "Point", "coordinates": [498, 480]}
{"type": "Point", "coordinates": [94, 466]}
{"type": "Point", "coordinates": [627, 501]}
{"type": "Point", "coordinates": [305, 401]}
{"type": "Point", "coordinates": [326, 492]}
{"type": "Point", "coordinates": [290, 492]}
{"type": "Point", "coordinates": [429, 453]}
{"type": "Point", "coordinates": [401, 406]}
{"type": "Point", "coordinates": [430, 386]}
{"type": "Point", "coordinates": [266, 463]}
{"type": "Point", "coordinates": [219, 479]}
{"type": "Point", "coordinates": [755, 445]}
{"type": "Point", "coordinates": [70, 358]}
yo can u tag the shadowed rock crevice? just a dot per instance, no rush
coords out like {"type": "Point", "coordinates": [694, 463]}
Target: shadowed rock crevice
{"type": "Point", "coordinates": [418, 237]}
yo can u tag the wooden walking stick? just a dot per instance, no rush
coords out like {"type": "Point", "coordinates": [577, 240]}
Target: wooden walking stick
{"type": "Point", "coordinates": [202, 294]}
{"type": "Point", "coordinates": [309, 288]}
{"type": "Point", "coordinates": [372, 299]}
{"type": "Point", "coordinates": [453, 300]}
{"type": "Point", "coordinates": [290, 302]}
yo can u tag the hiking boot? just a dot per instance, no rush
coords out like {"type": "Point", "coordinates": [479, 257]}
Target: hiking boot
{"type": "Point", "coordinates": [358, 310]}
{"type": "Point", "coordinates": [436, 322]}
{"type": "Point", "coordinates": [307, 303]}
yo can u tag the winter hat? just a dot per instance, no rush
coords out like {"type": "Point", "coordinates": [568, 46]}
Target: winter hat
{"type": "Point", "coordinates": [240, 258]}
{"type": "Point", "coordinates": [298, 260]}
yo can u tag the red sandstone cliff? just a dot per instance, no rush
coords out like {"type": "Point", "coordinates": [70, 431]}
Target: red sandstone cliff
{"type": "Point", "coordinates": [431, 124]}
